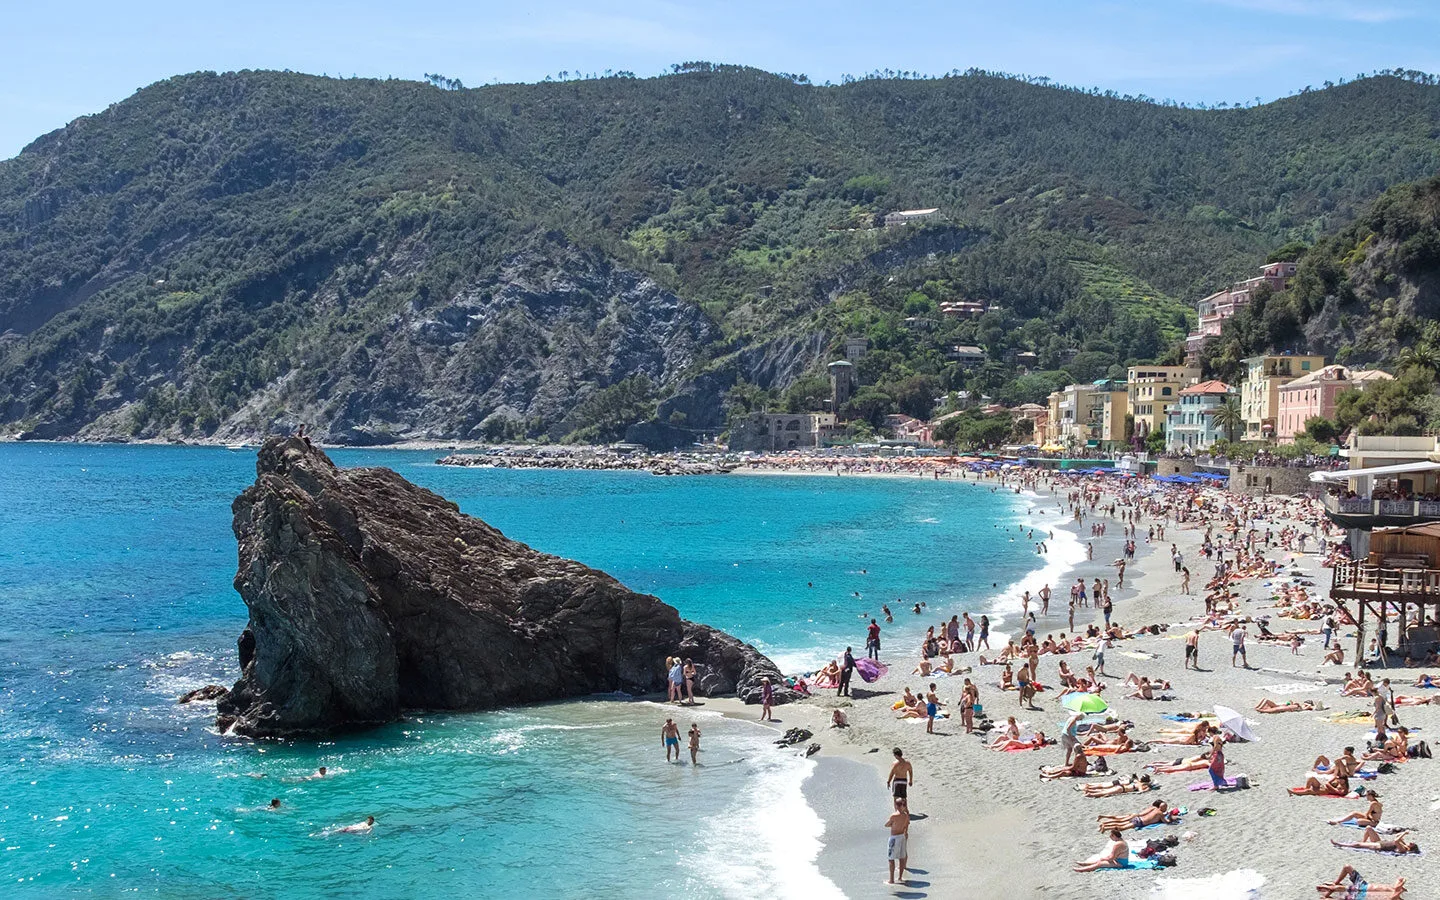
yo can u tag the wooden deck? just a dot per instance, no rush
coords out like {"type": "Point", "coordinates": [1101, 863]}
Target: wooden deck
{"type": "Point", "coordinates": [1362, 581]}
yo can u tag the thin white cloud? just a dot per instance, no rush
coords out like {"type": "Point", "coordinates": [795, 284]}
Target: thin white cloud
{"type": "Point", "coordinates": [1363, 11]}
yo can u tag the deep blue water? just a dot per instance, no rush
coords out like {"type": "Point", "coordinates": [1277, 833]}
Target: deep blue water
{"type": "Point", "coordinates": [115, 596]}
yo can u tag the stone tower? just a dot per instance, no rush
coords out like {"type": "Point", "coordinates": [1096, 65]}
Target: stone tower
{"type": "Point", "coordinates": [842, 383]}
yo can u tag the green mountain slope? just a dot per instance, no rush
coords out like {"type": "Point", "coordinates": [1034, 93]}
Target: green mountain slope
{"type": "Point", "coordinates": [220, 254]}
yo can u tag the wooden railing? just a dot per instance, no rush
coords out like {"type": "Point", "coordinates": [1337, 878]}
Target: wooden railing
{"type": "Point", "coordinates": [1359, 579]}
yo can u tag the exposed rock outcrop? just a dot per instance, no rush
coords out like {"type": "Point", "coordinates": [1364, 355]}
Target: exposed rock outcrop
{"type": "Point", "coordinates": [369, 595]}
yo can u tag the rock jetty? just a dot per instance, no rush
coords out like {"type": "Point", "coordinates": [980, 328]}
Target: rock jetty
{"type": "Point", "coordinates": [369, 595]}
{"type": "Point", "coordinates": [592, 458]}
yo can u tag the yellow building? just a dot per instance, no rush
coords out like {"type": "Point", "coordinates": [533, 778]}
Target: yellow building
{"type": "Point", "coordinates": [1260, 392]}
{"type": "Point", "coordinates": [1152, 389]}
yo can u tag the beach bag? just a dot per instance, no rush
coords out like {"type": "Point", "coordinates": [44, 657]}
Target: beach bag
{"type": "Point", "coordinates": [1242, 782]}
{"type": "Point", "coordinates": [1165, 860]}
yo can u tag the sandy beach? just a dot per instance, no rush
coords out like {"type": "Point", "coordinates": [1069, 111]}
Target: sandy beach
{"type": "Point", "coordinates": [987, 826]}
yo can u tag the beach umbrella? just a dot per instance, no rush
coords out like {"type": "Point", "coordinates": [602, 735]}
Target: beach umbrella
{"type": "Point", "coordinates": [1081, 702]}
{"type": "Point", "coordinates": [1233, 722]}
{"type": "Point", "coordinates": [869, 669]}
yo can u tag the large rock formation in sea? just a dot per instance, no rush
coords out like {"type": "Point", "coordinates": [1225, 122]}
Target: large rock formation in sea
{"type": "Point", "coordinates": [369, 595]}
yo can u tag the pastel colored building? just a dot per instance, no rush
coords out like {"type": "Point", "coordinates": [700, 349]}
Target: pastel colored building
{"type": "Point", "coordinates": [1212, 311]}
{"type": "Point", "coordinates": [1190, 423]}
{"type": "Point", "coordinates": [1151, 390]}
{"type": "Point", "coordinates": [1315, 395]}
{"type": "Point", "coordinates": [1260, 391]}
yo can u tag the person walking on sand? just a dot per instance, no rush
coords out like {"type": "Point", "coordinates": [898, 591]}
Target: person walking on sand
{"type": "Point", "coordinates": [694, 744]}
{"type": "Point", "coordinates": [872, 640]}
{"type": "Point", "coordinates": [1237, 649]}
{"type": "Point", "coordinates": [767, 699]}
{"type": "Point", "coordinates": [969, 699]}
{"type": "Point", "coordinates": [1100, 653]}
{"type": "Point", "coordinates": [1045, 600]}
{"type": "Point", "coordinates": [670, 739]}
{"type": "Point", "coordinates": [902, 775]}
{"type": "Point", "coordinates": [1192, 650]}
{"type": "Point", "coordinates": [896, 850]}
{"type": "Point", "coordinates": [1184, 580]}
{"type": "Point", "coordinates": [847, 669]}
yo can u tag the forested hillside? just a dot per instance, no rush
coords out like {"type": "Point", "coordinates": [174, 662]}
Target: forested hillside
{"type": "Point", "coordinates": [223, 254]}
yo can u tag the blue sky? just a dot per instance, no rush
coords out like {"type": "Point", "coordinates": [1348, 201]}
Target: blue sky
{"type": "Point", "coordinates": [60, 60]}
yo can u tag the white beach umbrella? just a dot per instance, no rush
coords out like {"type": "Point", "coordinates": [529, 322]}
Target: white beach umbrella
{"type": "Point", "coordinates": [1233, 722]}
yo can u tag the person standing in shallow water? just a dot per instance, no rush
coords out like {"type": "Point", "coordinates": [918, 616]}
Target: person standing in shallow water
{"type": "Point", "coordinates": [670, 738]}
{"type": "Point", "coordinates": [694, 743]}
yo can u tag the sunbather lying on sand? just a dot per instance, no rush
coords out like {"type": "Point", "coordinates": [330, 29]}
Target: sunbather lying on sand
{"type": "Point", "coordinates": [1270, 706]}
{"type": "Point", "coordinates": [1033, 743]}
{"type": "Point", "coordinates": [1371, 840]}
{"type": "Point", "coordinates": [1348, 885]}
{"type": "Point", "coordinates": [1119, 742]}
{"type": "Point", "coordinates": [1186, 733]}
{"type": "Point", "coordinates": [1412, 701]}
{"type": "Point", "coordinates": [1112, 788]}
{"type": "Point", "coordinates": [1153, 814]}
{"type": "Point", "coordinates": [1198, 763]}
{"type": "Point", "coordinates": [1115, 856]}
{"type": "Point", "coordinates": [1336, 785]}
{"type": "Point", "coordinates": [1370, 817]}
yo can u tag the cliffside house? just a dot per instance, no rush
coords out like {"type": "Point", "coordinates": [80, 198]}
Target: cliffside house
{"type": "Point", "coordinates": [967, 355]}
{"type": "Point", "coordinates": [909, 216]}
{"type": "Point", "coordinates": [1212, 311]}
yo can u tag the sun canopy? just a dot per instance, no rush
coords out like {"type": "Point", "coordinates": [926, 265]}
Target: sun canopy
{"type": "Point", "coordinates": [1347, 474]}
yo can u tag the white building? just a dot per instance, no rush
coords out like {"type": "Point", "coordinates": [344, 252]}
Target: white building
{"type": "Point", "coordinates": [909, 216]}
{"type": "Point", "coordinates": [1190, 422]}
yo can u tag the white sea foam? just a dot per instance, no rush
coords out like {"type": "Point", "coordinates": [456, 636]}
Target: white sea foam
{"type": "Point", "coordinates": [1066, 552]}
{"type": "Point", "coordinates": [767, 841]}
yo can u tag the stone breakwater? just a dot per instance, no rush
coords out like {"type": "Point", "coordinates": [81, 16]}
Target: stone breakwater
{"type": "Point", "coordinates": [592, 460]}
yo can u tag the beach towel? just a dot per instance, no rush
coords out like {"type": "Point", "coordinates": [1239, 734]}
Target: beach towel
{"type": "Point", "coordinates": [870, 670]}
{"type": "Point", "coordinates": [1209, 786]}
{"type": "Point", "coordinates": [1136, 863]}
{"type": "Point", "coordinates": [1384, 852]}
{"type": "Point", "coordinates": [1178, 821]}
{"type": "Point", "coordinates": [1382, 828]}
{"type": "Point", "coordinates": [1241, 884]}
{"type": "Point", "coordinates": [1345, 718]}
{"type": "Point", "coordinates": [1296, 687]}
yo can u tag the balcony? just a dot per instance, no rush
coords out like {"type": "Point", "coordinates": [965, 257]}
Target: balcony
{"type": "Point", "coordinates": [1363, 581]}
{"type": "Point", "coordinates": [1362, 512]}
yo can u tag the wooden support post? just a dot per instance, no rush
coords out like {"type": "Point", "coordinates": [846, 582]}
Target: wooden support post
{"type": "Point", "coordinates": [1360, 635]}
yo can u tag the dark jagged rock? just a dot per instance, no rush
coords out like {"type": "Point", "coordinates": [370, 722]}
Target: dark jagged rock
{"type": "Point", "coordinates": [200, 695]}
{"type": "Point", "coordinates": [369, 595]}
{"type": "Point", "coordinates": [794, 736]}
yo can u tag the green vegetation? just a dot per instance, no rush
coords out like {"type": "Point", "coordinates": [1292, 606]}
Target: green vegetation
{"type": "Point", "coordinates": [219, 253]}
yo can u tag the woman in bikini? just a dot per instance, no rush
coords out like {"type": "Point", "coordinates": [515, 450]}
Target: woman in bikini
{"type": "Point", "coordinates": [1337, 785]}
{"type": "Point", "coordinates": [1116, 855]}
{"type": "Point", "coordinates": [1198, 763]}
{"type": "Point", "coordinates": [1371, 840]}
{"type": "Point", "coordinates": [1010, 732]}
{"type": "Point", "coordinates": [1114, 788]}
{"type": "Point", "coordinates": [1369, 818]}
{"type": "Point", "coordinates": [1270, 706]}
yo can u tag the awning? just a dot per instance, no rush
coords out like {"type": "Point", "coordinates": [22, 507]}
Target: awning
{"type": "Point", "coordinates": [1401, 469]}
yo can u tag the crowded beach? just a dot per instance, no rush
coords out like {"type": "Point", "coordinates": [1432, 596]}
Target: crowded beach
{"type": "Point", "coordinates": [1193, 659]}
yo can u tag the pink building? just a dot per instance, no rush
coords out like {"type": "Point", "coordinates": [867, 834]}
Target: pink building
{"type": "Point", "coordinates": [1212, 311]}
{"type": "Point", "coordinates": [1314, 395]}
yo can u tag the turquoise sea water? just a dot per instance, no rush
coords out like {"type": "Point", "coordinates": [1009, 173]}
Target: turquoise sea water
{"type": "Point", "coordinates": [115, 597]}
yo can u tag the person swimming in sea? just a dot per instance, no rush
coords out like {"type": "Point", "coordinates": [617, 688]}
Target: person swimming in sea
{"type": "Point", "coordinates": [364, 827]}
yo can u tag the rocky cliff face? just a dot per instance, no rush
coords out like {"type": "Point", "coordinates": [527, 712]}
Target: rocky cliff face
{"type": "Point", "coordinates": [369, 595]}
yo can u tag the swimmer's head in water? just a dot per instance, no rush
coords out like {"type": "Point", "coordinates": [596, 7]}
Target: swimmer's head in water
{"type": "Point", "coordinates": [369, 820]}
{"type": "Point", "coordinates": [275, 803]}
{"type": "Point", "coordinates": [322, 770]}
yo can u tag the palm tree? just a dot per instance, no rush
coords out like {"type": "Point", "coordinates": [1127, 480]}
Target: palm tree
{"type": "Point", "coordinates": [1229, 417]}
{"type": "Point", "coordinates": [1420, 356]}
